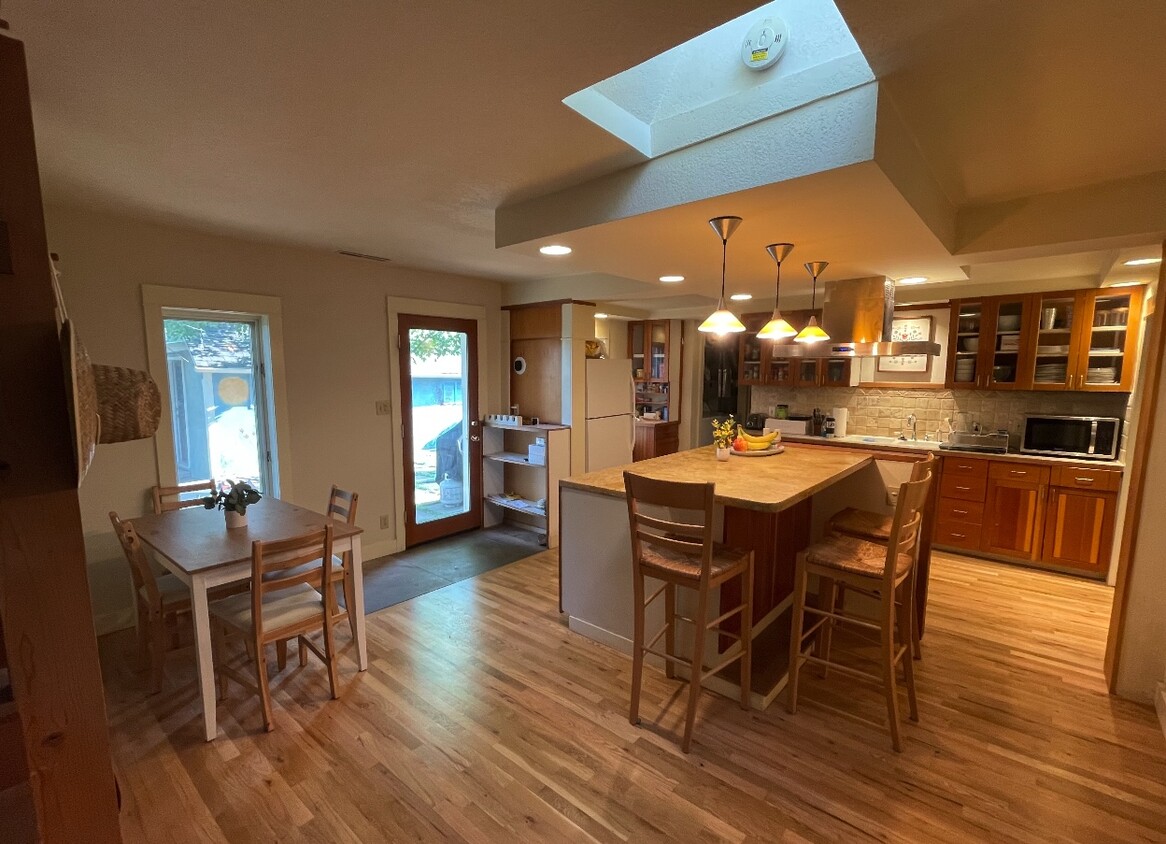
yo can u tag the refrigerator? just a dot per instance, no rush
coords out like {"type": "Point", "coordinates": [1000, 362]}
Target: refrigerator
{"type": "Point", "coordinates": [610, 399]}
{"type": "Point", "coordinates": [720, 395]}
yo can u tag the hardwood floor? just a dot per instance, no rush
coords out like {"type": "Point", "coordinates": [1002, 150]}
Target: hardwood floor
{"type": "Point", "coordinates": [482, 718]}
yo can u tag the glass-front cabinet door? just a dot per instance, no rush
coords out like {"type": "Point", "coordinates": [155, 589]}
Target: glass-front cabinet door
{"type": "Point", "coordinates": [780, 372]}
{"type": "Point", "coordinates": [658, 350]}
{"type": "Point", "coordinates": [1058, 319]}
{"type": "Point", "coordinates": [836, 372]}
{"type": "Point", "coordinates": [964, 369]}
{"type": "Point", "coordinates": [636, 349]}
{"type": "Point", "coordinates": [1008, 340]}
{"type": "Point", "coordinates": [1109, 327]}
{"type": "Point", "coordinates": [806, 372]}
{"type": "Point", "coordinates": [754, 356]}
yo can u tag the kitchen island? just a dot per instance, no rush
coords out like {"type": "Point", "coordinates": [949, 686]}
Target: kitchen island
{"type": "Point", "coordinates": [774, 505]}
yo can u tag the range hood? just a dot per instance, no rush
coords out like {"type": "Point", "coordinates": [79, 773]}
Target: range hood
{"type": "Point", "coordinates": [857, 315]}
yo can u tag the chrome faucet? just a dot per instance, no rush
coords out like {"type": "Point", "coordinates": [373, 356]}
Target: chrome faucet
{"type": "Point", "coordinates": [913, 424]}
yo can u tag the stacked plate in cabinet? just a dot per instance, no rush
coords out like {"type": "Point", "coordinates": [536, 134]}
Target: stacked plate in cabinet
{"type": "Point", "coordinates": [965, 369]}
{"type": "Point", "coordinates": [1052, 373]}
{"type": "Point", "coordinates": [1101, 375]}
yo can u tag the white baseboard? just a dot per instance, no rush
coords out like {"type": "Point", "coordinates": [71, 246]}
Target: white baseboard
{"type": "Point", "coordinates": [382, 548]}
{"type": "Point", "coordinates": [605, 637]}
{"type": "Point", "coordinates": [1160, 705]}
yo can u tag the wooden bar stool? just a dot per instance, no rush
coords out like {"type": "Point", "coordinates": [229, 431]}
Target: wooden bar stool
{"type": "Point", "coordinates": [885, 571]}
{"type": "Point", "coordinates": [682, 553]}
{"type": "Point", "coordinates": [876, 527]}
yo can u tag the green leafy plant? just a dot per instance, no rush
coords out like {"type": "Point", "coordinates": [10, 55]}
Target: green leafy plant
{"type": "Point", "coordinates": [233, 495]}
{"type": "Point", "coordinates": [724, 432]}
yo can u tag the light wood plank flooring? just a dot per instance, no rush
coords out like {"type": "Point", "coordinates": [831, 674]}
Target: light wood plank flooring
{"type": "Point", "coordinates": [482, 718]}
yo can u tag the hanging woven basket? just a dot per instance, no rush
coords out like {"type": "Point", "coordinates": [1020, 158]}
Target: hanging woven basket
{"type": "Point", "coordinates": [128, 402]}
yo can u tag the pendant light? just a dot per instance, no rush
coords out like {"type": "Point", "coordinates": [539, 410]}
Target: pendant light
{"type": "Point", "coordinates": [722, 321]}
{"type": "Point", "coordinates": [812, 333]}
{"type": "Point", "coordinates": [777, 328]}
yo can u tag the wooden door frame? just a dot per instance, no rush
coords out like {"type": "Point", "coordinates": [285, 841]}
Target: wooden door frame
{"type": "Point", "coordinates": [422, 307]}
{"type": "Point", "coordinates": [1153, 349]}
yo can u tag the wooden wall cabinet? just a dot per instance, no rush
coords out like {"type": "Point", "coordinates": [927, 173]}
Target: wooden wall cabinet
{"type": "Point", "coordinates": [1082, 340]}
{"type": "Point", "coordinates": [761, 362]}
{"type": "Point", "coordinates": [648, 349]}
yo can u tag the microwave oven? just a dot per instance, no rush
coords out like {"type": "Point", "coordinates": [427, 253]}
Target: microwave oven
{"type": "Point", "coordinates": [1084, 437]}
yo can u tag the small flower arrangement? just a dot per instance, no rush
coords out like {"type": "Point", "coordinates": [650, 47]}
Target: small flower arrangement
{"type": "Point", "coordinates": [233, 496]}
{"type": "Point", "coordinates": [724, 432]}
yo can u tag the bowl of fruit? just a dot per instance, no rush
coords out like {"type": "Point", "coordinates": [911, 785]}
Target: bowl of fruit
{"type": "Point", "coordinates": [756, 445]}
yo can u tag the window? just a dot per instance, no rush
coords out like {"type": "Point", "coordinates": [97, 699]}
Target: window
{"type": "Point", "coordinates": [217, 359]}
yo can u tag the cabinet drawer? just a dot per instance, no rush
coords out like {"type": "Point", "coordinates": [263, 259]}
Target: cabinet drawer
{"type": "Point", "coordinates": [1087, 477]}
{"type": "Point", "coordinates": [963, 488]}
{"type": "Point", "coordinates": [959, 512]}
{"type": "Point", "coordinates": [965, 467]}
{"type": "Point", "coordinates": [957, 535]}
{"type": "Point", "coordinates": [1002, 471]}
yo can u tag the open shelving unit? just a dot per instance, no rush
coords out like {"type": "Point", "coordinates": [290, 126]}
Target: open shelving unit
{"type": "Point", "coordinates": [520, 492]}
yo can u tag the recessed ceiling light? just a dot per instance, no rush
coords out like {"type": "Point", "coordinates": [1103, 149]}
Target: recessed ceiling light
{"type": "Point", "coordinates": [1127, 284]}
{"type": "Point", "coordinates": [741, 297]}
{"type": "Point", "coordinates": [1141, 262]}
{"type": "Point", "coordinates": [600, 315]}
{"type": "Point", "coordinates": [671, 279]}
{"type": "Point", "coordinates": [913, 279]}
{"type": "Point", "coordinates": [555, 249]}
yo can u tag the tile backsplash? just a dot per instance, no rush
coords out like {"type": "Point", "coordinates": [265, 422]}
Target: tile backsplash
{"type": "Point", "coordinates": [882, 412]}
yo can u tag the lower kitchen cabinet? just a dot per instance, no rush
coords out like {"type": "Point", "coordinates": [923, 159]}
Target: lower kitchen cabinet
{"type": "Point", "coordinates": [1014, 510]}
{"type": "Point", "coordinates": [1052, 513]}
{"type": "Point", "coordinates": [655, 439]}
{"type": "Point", "coordinates": [1079, 528]}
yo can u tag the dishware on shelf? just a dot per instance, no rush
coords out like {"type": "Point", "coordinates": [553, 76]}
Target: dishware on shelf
{"type": "Point", "coordinates": [1008, 322]}
{"type": "Point", "coordinates": [1048, 319]}
{"type": "Point", "coordinates": [970, 344]}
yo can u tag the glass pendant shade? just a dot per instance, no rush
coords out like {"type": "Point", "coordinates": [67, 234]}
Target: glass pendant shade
{"type": "Point", "coordinates": [777, 328]}
{"type": "Point", "coordinates": [722, 321]}
{"type": "Point", "coordinates": [812, 333]}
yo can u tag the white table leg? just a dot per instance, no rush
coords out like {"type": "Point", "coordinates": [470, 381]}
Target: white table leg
{"type": "Point", "coordinates": [202, 647]}
{"type": "Point", "coordinates": [358, 604]}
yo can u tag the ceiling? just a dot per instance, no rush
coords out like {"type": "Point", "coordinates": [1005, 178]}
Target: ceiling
{"type": "Point", "coordinates": [399, 129]}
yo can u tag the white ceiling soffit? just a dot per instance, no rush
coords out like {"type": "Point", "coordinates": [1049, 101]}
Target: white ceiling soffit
{"type": "Point", "coordinates": [702, 88]}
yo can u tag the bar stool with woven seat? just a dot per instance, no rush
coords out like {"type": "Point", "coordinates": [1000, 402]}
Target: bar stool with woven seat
{"type": "Point", "coordinates": [885, 571]}
{"type": "Point", "coordinates": [876, 527]}
{"type": "Point", "coordinates": [682, 553]}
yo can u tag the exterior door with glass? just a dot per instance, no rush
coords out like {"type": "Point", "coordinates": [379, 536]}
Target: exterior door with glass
{"type": "Point", "coordinates": [441, 431]}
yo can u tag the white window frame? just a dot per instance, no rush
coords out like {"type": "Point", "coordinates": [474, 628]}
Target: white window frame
{"type": "Point", "coordinates": [160, 303]}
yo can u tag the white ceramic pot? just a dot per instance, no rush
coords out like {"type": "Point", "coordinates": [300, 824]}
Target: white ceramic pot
{"type": "Point", "coordinates": [722, 453]}
{"type": "Point", "coordinates": [235, 520]}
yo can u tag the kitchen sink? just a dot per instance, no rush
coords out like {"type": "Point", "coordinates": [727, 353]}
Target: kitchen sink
{"type": "Point", "coordinates": [993, 443]}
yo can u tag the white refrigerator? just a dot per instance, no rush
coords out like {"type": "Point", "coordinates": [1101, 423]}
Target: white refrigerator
{"type": "Point", "coordinates": [610, 404]}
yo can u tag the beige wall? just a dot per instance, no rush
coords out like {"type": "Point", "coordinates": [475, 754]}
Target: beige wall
{"type": "Point", "coordinates": [335, 351]}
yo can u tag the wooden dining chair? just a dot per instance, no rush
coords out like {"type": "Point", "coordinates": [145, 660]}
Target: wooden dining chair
{"type": "Point", "coordinates": [158, 599]}
{"type": "Point", "coordinates": [876, 527]}
{"type": "Point", "coordinates": [680, 551]}
{"type": "Point", "coordinates": [283, 603]}
{"type": "Point", "coordinates": [342, 506]}
{"type": "Point", "coordinates": [167, 498]}
{"type": "Point", "coordinates": [885, 571]}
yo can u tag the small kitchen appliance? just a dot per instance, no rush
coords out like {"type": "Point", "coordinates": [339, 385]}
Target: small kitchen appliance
{"type": "Point", "coordinates": [1084, 437]}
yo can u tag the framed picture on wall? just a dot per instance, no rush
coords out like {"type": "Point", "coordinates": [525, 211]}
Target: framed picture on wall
{"type": "Point", "coordinates": [905, 329]}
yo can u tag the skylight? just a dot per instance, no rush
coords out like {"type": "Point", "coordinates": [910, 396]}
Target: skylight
{"type": "Point", "coordinates": [702, 88]}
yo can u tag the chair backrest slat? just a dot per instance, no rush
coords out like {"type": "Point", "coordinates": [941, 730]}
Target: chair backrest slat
{"type": "Point", "coordinates": [342, 505]}
{"type": "Point", "coordinates": [140, 571]}
{"type": "Point", "coordinates": [906, 528]}
{"type": "Point", "coordinates": [167, 498]}
{"type": "Point", "coordinates": [281, 556]}
{"type": "Point", "coordinates": [691, 538]}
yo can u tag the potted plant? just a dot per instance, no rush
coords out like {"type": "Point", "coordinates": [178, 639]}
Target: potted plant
{"type": "Point", "coordinates": [723, 435]}
{"type": "Point", "coordinates": [233, 498]}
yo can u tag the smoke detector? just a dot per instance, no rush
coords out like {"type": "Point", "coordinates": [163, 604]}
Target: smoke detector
{"type": "Point", "coordinates": [764, 43]}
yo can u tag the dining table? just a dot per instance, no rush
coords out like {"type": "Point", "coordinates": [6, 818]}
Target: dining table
{"type": "Point", "coordinates": [195, 545]}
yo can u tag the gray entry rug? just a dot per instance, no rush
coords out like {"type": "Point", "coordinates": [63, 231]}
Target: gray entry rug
{"type": "Point", "coordinates": [401, 577]}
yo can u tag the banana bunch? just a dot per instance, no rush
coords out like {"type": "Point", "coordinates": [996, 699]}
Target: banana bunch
{"type": "Point", "coordinates": [756, 443]}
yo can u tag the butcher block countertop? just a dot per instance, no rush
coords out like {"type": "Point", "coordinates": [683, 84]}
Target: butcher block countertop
{"type": "Point", "coordinates": [755, 483]}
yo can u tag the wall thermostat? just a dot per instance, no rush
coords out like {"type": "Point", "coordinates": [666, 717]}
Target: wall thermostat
{"type": "Point", "coordinates": [519, 365]}
{"type": "Point", "coordinates": [764, 43]}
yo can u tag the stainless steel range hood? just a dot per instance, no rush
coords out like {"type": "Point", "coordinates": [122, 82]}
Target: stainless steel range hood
{"type": "Point", "coordinates": [857, 315]}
